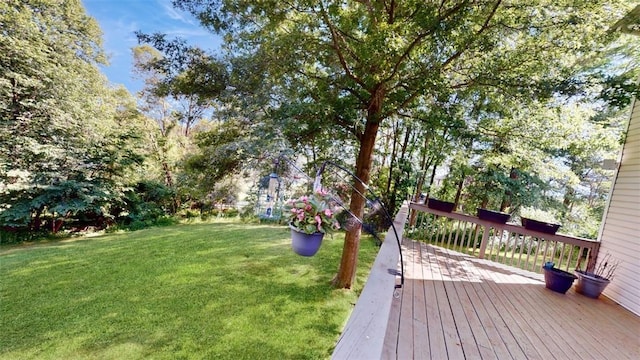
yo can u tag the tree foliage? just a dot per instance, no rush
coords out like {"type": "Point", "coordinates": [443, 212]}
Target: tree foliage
{"type": "Point", "coordinates": [68, 140]}
{"type": "Point", "coordinates": [192, 78]}
{"type": "Point", "coordinates": [381, 59]}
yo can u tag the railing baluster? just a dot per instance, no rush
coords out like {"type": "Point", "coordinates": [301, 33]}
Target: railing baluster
{"type": "Point", "coordinates": [544, 255]}
{"type": "Point", "coordinates": [535, 258]}
{"type": "Point", "coordinates": [522, 245]}
{"type": "Point", "coordinates": [570, 258]}
{"type": "Point", "coordinates": [449, 228]}
{"type": "Point", "coordinates": [497, 235]}
{"type": "Point", "coordinates": [512, 235]}
{"type": "Point", "coordinates": [483, 242]}
{"type": "Point", "coordinates": [499, 241]}
{"type": "Point", "coordinates": [506, 244]}
{"type": "Point", "coordinates": [442, 230]}
{"type": "Point", "coordinates": [473, 235]}
{"type": "Point", "coordinates": [464, 241]}
{"type": "Point", "coordinates": [564, 247]}
{"type": "Point", "coordinates": [491, 245]}
{"type": "Point", "coordinates": [526, 264]}
{"type": "Point", "coordinates": [457, 236]}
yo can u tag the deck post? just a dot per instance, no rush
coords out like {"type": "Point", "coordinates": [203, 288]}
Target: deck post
{"type": "Point", "coordinates": [593, 258]}
{"type": "Point", "coordinates": [485, 240]}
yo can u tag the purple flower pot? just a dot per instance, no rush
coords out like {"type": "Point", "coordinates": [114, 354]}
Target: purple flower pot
{"type": "Point", "coordinates": [558, 280]}
{"type": "Point", "coordinates": [305, 244]}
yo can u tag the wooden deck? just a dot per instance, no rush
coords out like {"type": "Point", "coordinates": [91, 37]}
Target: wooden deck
{"type": "Point", "coordinates": [455, 306]}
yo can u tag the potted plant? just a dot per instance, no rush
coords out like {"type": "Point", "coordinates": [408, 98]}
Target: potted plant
{"type": "Point", "coordinates": [557, 280]}
{"type": "Point", "coordinates": [440, 205]}
{"type": "Point", "coordinates": [592, 284]}
{"type": "Point", "coordinates": [493, 216]}
{"type": "Point", "coordinates": [538, 220]}
{"type": "Point", "coordinates": [310, 217]}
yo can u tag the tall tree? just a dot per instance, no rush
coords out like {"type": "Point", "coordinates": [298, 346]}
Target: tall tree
{"type": "Point", "coordinates": [157, 108]}
{"type": "Point", "coordinates": [188, 75]}
{"type": "Point", "coordinates": [386, 56]}
{"type": "Point", "coordinates": [67, 138]}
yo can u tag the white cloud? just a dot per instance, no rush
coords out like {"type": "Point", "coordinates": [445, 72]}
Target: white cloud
{"type": "Point", "coordinates": [174, 14]}
{"type": "Point", "coordinates": [187, 32]}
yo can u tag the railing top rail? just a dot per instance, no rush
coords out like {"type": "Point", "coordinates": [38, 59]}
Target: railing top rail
{"type": "Point", "coordinates": [363, 335]}
{"type": "Point", "coordinates": [573, 240]}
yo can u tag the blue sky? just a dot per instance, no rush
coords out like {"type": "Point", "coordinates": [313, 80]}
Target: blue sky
{"type": "Point", "coordinates": [119, 19]}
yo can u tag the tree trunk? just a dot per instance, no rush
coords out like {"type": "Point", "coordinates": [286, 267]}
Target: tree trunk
{"type": "Point", "coordinates": [433, 176]}
{"type": "Point", "coordinates": [393, 198]}
{"type": "Point", "coordinates": [421, 178]}
{"type": "Point", "coordinates": [37, 220]}
{"type": "Point", "coordinates": [346, 272]}
{"type": "Point", "coordinates": [168, 177]}
{"type": "Point", "coordinates": [56, 225]}
{"type": "Point", "coordinates": [393, 157]}
{"type": "Point", "coordinates": [508, 196]}
{"type": "Point", "coordinates": [459, 190]}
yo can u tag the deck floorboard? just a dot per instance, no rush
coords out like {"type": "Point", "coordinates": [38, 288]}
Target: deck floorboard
{"type": "Point", "coordinates": [456, 306]}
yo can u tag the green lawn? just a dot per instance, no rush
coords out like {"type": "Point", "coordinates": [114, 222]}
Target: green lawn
{"type": "Point", "coordinates": [223, 290]}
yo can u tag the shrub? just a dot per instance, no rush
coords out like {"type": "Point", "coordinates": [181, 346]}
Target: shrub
{"type": "Point", "coordinates": [146, 204]}
{"type": "Point", "coordinates": [229, 213]}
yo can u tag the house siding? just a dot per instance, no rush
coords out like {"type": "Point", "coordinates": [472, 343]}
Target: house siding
{"type": "Point", "coordinates": [620, 233]}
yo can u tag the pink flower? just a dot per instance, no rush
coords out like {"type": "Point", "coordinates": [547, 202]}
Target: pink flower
{"type": "Point", "coordinates": [313, 210]}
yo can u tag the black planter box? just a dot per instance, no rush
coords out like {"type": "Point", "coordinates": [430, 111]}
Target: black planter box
{"type": "Point", "coordinates": [493, 216]}
{"type": "Point", "coordinates": [440, 205]}
{"type": "Point", "coordinates": [541, 226]}
{"type": "Point", "coordinates": [558, 280]}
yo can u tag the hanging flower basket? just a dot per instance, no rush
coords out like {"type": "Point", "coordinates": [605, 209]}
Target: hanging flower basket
{"type": "Point", "coordinates": [310, 217]}
{"type": "Point", "coordinates": [305, 244]}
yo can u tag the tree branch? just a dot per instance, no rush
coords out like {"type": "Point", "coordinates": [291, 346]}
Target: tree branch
{"type": "Point", "coordinates": [421, 37]}
{"type": "Point", "coordinates": [471, 40]}
{"type": "Point", "coordinates": [336, 45]}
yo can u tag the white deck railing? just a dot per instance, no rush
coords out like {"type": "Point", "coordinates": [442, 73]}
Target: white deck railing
{"type": "Point", "coordinates": [505, 243]}
{"type": "Point", "coordinates": [363, 335]}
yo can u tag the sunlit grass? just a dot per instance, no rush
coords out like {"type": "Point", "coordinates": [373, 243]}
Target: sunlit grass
{"type": "Point", "coordinates": [223, 290]}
